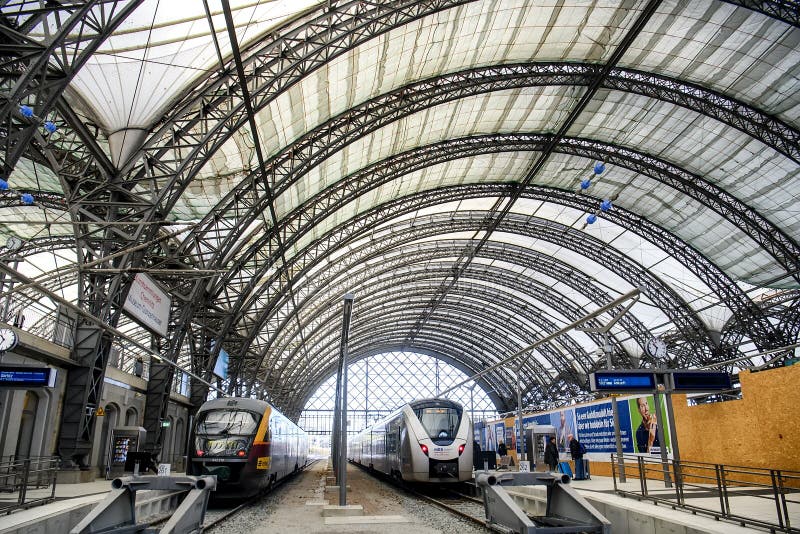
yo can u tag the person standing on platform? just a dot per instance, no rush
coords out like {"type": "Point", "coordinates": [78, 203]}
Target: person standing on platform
{"type": "Point", "coordinates": [502, 451]}
{"type": "Point", "coordinates": [551, 454]}
{"type": "Point", "coordinates": [576, 451]}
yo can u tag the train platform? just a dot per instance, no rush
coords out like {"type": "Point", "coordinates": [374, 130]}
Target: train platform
{"type": "Point", "coordinates": [306, 496]}
{"type": "Point", "coordinates": [629, 514]}
{"type": "Point", "coordinates": [72, 502]}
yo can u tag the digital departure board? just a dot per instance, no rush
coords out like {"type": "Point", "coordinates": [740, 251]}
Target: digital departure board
{"type": "Point", "coordinates": [622, 381]}
{"type": "Point", "coordinates": [696, 381]}
{"type": "Point", "coordinates": [27, 377]}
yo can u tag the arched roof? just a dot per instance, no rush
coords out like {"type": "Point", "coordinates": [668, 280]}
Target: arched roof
{"type": "Point", "coordinates": [261, 159]}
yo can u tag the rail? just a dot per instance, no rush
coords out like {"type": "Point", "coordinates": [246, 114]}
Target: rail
{"type": "Point", "coordinates": [27, 482]}
{"type": "Point", "coordinates": [733, 493]}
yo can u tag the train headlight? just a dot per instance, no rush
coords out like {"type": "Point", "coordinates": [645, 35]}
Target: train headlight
{"type": "Point", "coordinates": [424, 448]}
{"type": "Point", "coordinates": [460, 449]}
{"type": "Point", "coordinates": [240, 453]}
{"type": "Point", "coordinates": [200, 452]}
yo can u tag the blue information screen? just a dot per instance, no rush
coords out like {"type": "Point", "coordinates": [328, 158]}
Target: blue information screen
{"type": "Point", "coordinates": [624, 382]}
{"type": "Point", "coordinates": [27, 377]}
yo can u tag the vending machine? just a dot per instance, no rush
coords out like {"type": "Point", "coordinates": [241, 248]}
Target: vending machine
{"type": "Point", "coordinates": [124, 439]}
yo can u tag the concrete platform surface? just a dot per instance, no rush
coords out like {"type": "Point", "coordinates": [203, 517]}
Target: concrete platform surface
{"type": "Point", "coordinates": [367, 520]}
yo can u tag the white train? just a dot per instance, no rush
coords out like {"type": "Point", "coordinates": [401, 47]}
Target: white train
{"type": "Point", "coordinates": [428, 440]}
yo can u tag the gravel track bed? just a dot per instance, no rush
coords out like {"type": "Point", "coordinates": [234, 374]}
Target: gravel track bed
{"type": "Point", "coordinates": [284, 509]}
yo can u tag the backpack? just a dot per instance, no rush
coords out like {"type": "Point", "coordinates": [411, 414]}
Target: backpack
{"type": "Point", "coordinates": [583, 448]}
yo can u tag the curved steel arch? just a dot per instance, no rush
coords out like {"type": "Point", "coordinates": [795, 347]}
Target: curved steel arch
{"type": "Point", "coordinates": [379, 215]}
{"type": "Point", "coordinates": [783, 11]}
{"type": "Point", "coordinates": [427, 263]}
{"type": "Point", "coordinates": [418, 158]}
{"type": "Point", "coordinates": [379, 173]}
{"type": "Point", "coordinates": [435, 226]}
{"type": "Point", "coordinates": [382, 326]}
{"type": "Point", "coordinates": [552, 354]}
{"type": "Point", "coordinates": [425, 156]}
{"type": "Point", "coordinates": [495, 299]}
{"type": "Point", "coordinates": [358, 281]}
{"type": "Point", "coordinates": [445, 338]}
{"type": "Point", "coordinates": [297, 158]}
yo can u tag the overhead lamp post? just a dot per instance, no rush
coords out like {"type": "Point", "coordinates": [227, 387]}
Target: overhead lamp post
{"type": "Point", "coordinates": [340, 415]}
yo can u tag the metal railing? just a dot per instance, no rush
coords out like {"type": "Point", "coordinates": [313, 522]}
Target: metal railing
{"type": "Point", "coordinates": [734, 493]}
{"type": "Point", "coordinates": [26, 482]}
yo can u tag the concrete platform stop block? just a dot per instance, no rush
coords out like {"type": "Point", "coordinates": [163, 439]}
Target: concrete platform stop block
{"type": "Point", "coordinates": [347, 510]}
{"type": "Point", "coordinates": [335, 488]}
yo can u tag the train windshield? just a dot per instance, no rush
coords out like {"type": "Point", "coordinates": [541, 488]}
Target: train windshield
{"type": "Point", "coordinates": [224, 432]}
{"type": "Point", "coordinates": [441, 423]}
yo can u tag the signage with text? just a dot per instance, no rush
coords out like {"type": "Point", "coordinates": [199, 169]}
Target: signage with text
{"type": "Point", "coordinates": [148, 304]}
{"type": "Point", "coordinates": [622, 381]}
{"type": "Point", "coordinates": [27, 377]}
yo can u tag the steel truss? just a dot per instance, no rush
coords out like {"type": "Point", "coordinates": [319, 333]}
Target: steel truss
{"type": "Point", "coordinates": [406, 231]}
{"type": "Point", "coordinates": [326, 288]}
{"type": "Point", "coordinates": [760, 330]}
{"type": "Point", "coordinates": [242, 206]}
{"type": "Point", "coordinates": [37, 68]}
{"type": "Point", "coordinates": [425, 156]}
{"type": "Point", "coordinates": [294, 54]}
{"type": "Point", "coordinates": [384, 306]}
{"type": "Point", "coordinates": [786, 11]}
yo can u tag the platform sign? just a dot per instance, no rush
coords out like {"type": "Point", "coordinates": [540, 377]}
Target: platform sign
{"type": "Point", "coordinates": [148, 304]}
{"type": "Point", "coordinates": [164, 470]}
{"type": "Point", "coordinates": [27, 377]}
{"type": "Point", "coordinates": [623, 381]}
{"type": "Point", "coordinates": [524, 466]}
{"type": "Point", "coordinates": [700, 381]}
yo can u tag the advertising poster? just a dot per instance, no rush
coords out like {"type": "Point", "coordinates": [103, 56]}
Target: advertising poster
{"type": "Point", "coordinates": [489, 441]}
{"type": "Point", "coordinates": [564, 423]}
{"type": "Point", "coordinates": [499, 432]}
{"type": "Point", "coordinates": [595, 424]}
{"type": "Point", "coordinates": [643, 420]}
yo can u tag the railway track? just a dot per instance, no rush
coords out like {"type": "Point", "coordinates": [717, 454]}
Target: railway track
{"type": "Point", "coordinates": [458, 504]}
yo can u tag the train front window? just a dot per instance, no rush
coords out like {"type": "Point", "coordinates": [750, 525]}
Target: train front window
{"type": "Point", "coordinates": [439, 423]}
{"type": "Point", "coordinates": [225, 432]}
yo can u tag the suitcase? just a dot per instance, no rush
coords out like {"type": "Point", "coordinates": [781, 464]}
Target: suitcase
{"type": "Point", "coordinates": [586, 474]}
{"type": "Point", "coordinates": [563, 467]}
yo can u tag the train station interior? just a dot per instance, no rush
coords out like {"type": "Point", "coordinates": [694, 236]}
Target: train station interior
{"type": "Point", "coordinates": [574, 219]}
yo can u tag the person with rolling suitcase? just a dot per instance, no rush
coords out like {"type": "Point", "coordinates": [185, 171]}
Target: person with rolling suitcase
{"type": "Point", "coordinates": [577, 450]}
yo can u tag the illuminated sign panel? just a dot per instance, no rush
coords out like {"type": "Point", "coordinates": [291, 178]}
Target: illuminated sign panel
{"type": "Point", "coordinates": [27, 377]}
{"type": "Point", "coordinates": [694, 381]}
{"type": "Point", "coordinates": [622, 381]}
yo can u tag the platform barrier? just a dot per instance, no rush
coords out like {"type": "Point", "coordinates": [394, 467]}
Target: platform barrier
{"type": "Point", "coordinates": [117, 512]}
{"type": "Point", "coordinates": [564, 511]}
{"type": "Point", "coordinates": [714, 489]}
{"type": "Point", "coordinates": [17, 476]}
